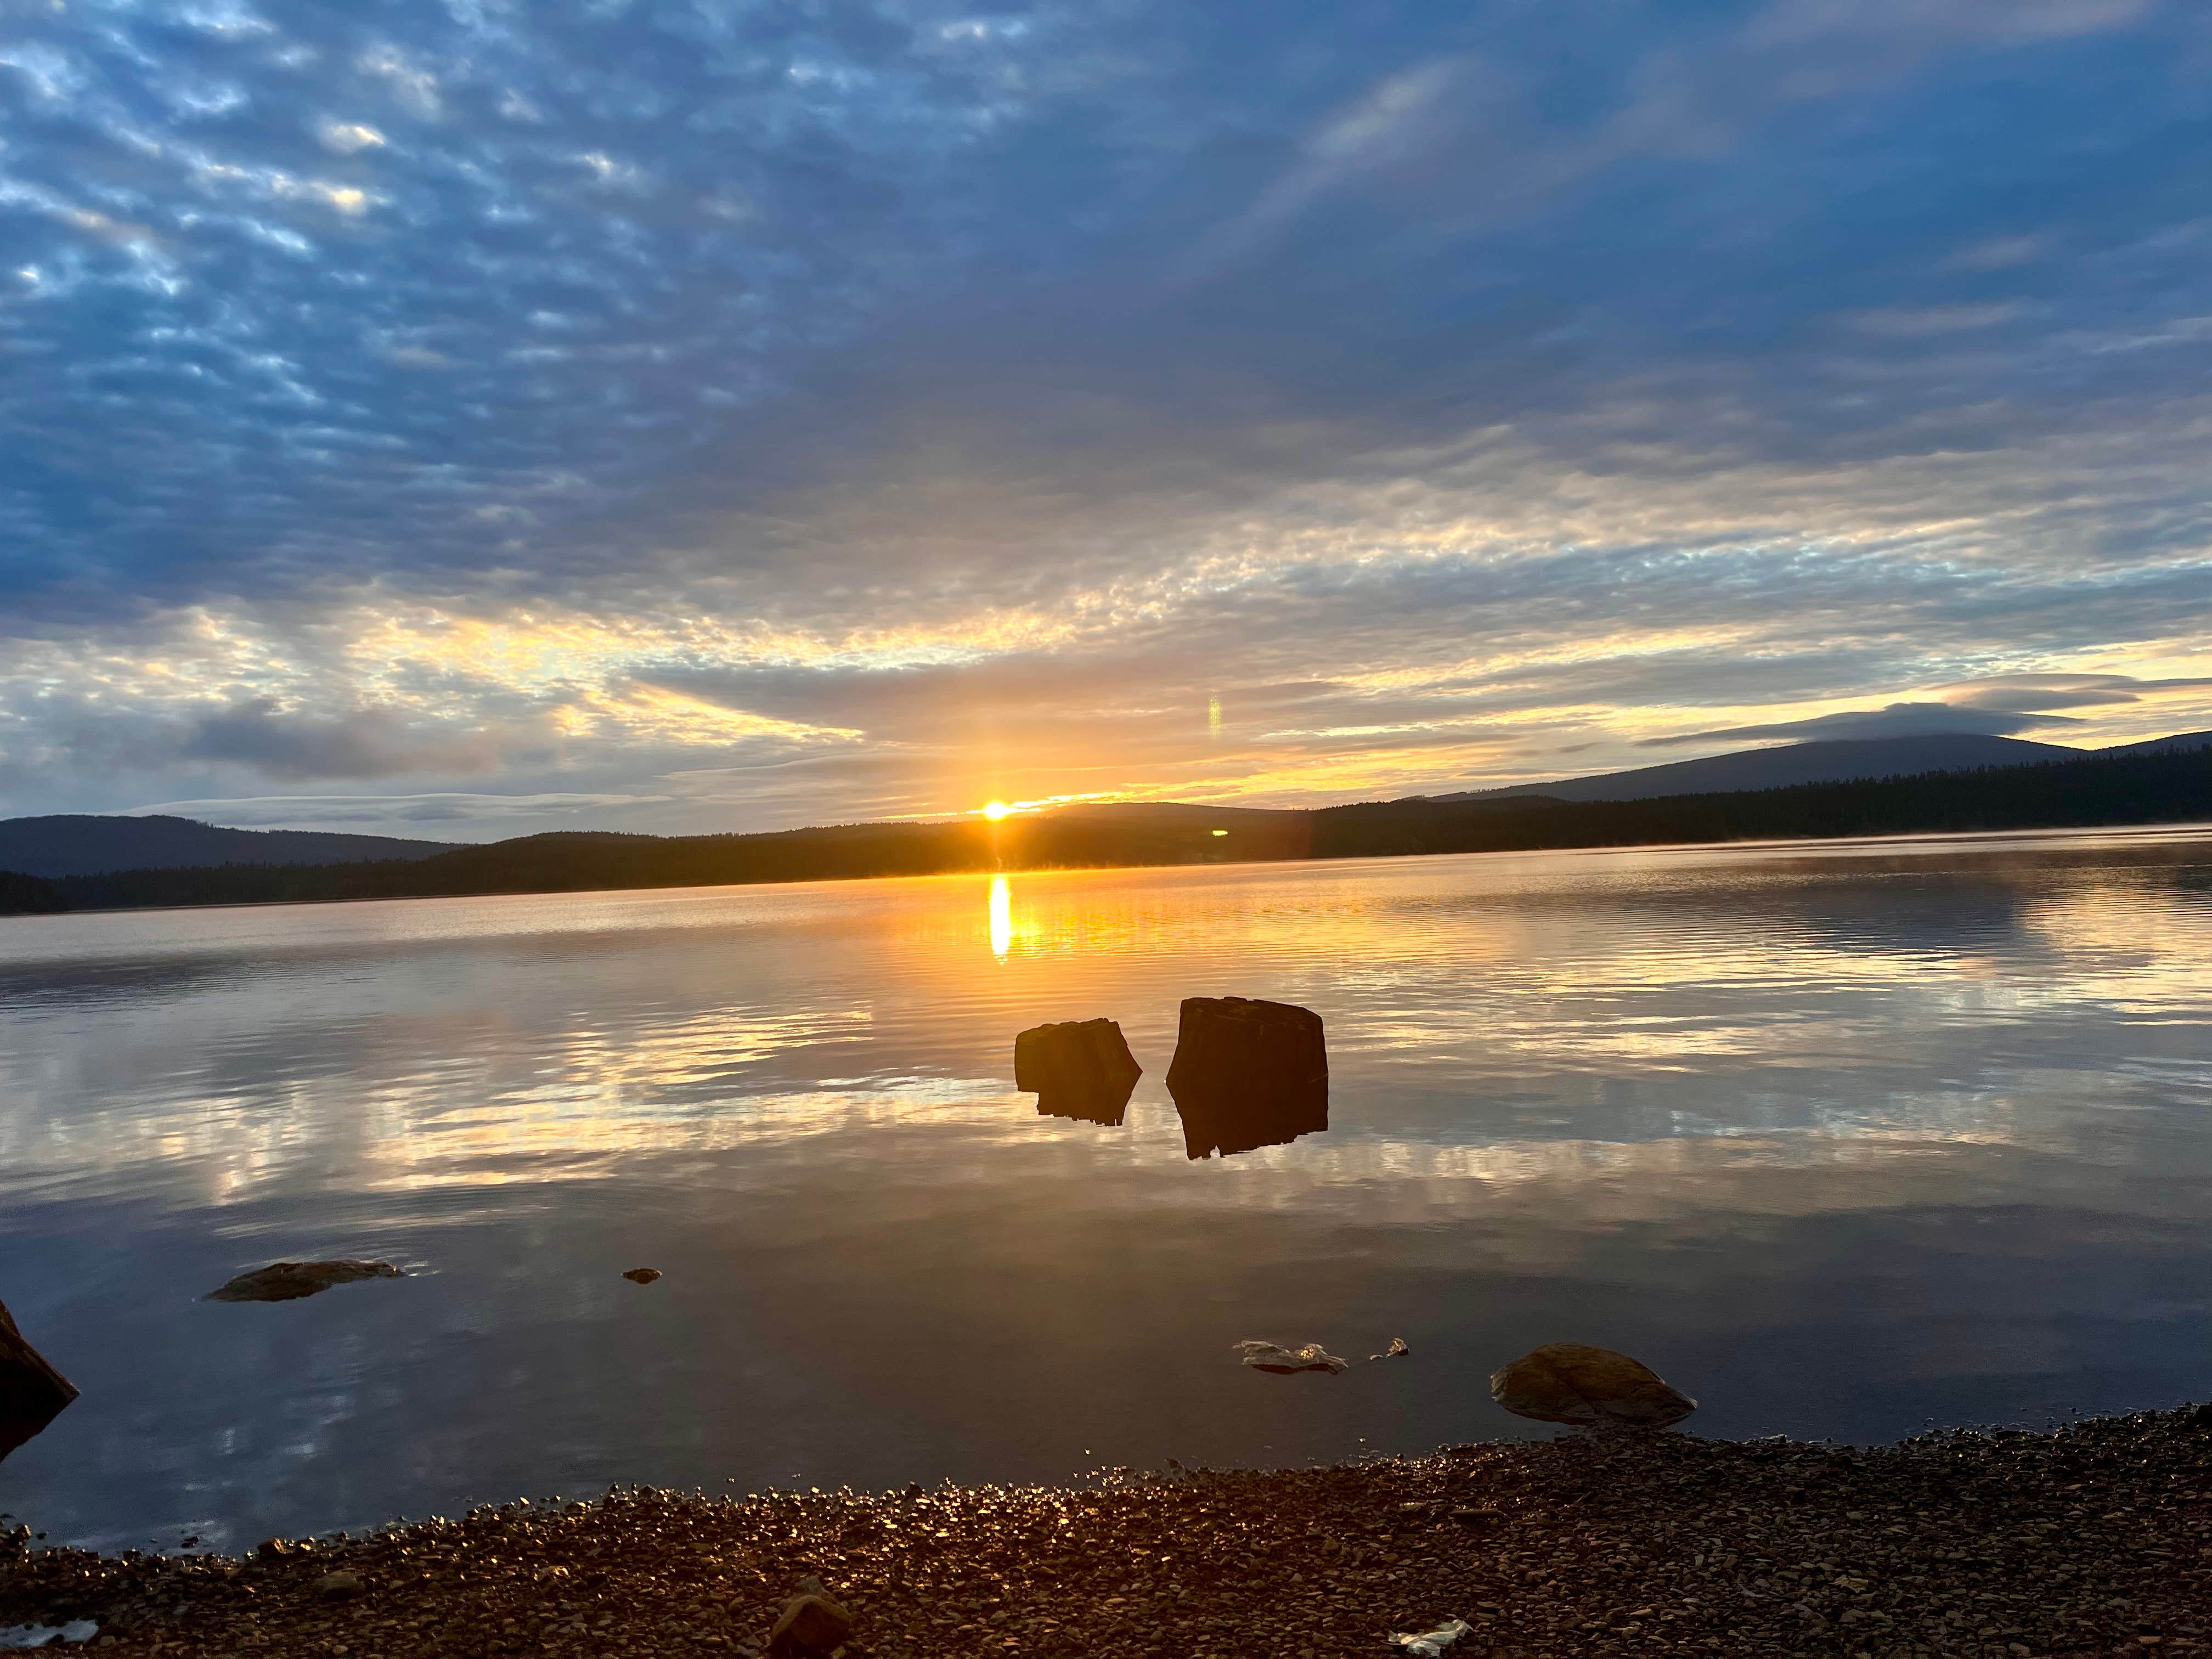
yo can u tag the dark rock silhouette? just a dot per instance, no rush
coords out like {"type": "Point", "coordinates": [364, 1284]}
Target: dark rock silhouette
{"type": "Point", "coordinates": [1594, 1388]}
{"type": "Point", "coordinates": [1248, 1074]}
{"type": "Point", "coordinates": [643, 1275]}
{"type": "Point", "coordinates": [32, 1392]}
{"type": "Point", "coordinates": [1079, 1068]}
{"type": "Point", "coordinates": [287, 1281]}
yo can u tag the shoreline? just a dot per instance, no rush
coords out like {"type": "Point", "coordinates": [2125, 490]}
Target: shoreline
{"type": "Point", "coordinates": [2095, 1538]}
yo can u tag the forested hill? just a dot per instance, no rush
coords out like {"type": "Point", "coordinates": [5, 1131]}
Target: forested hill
{"type": "Point", "coordinates": [2105, 789]}
{"type": "Point", "coordinates": [85, 843]}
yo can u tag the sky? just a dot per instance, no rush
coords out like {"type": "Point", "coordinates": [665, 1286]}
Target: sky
{"type": "Point", "coordinates": [466, 419]}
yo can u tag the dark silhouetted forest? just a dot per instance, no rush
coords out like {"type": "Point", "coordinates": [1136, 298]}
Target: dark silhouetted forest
{"type": "Point", "coordinates": [27, 896]}
{"type": "Point", "coordinates": [2099, 790]}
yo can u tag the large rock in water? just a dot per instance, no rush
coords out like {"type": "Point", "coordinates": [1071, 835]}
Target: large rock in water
{"type": "Point", "coordinates": [287, 1281]}
{"type": "Point", "coordinates": [1248, 1073]}
{"type": "Point", "coordinates": [1078, 1068]}
{"type": "Point", "coordinates": [1567, 1383]}
{"type": "Point", "coordinates": [32, 1392]}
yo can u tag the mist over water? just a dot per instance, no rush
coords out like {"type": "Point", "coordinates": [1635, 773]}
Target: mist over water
{"type": "Point", "coordinates": [1842, 1141]}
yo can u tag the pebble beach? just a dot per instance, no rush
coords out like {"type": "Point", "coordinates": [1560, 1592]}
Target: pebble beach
{"type": "Point", "coordinates": [2092, 1539]}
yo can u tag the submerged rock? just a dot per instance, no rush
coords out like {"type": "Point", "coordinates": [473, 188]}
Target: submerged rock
{"type": "Point", "coordinates": [287, 1281]}
{"type": "Point", "coordinates": [643, 1275]}
{"type": "Point", "coordinates": [1078, 1068]}
{"type": "Point", "coordinates": [1307, 1357]}
{"type": "Point", "coordinates": [32, 1392]}
{"type": "Point", "coordinates": [1248, 1074]}
{"type": "Point", "coordinates": [812, 1627]}
{"type": "Point", "coordinates": [1569, 1383]}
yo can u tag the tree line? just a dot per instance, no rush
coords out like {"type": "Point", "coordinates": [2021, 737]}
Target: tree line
{"type": "Point", "coordinates": [2092, 791]}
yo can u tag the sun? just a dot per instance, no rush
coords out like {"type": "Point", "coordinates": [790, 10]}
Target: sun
{"type": "Point", "coordinates": [996, 810]}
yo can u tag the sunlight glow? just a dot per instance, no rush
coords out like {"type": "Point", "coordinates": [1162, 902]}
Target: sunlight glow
{"type": "Point", "coordinates": [997, 809]}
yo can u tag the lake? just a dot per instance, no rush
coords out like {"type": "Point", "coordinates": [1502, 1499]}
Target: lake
{"type": "Point", "coordinates": [1845, 1141]}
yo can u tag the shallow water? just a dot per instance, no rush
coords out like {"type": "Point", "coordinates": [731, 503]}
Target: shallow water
{"type": "Point", "coordinates": [1843, 1144]}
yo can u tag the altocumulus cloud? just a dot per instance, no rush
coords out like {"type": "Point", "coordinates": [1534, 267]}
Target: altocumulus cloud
{"type": "Point", "coordinates": [669, 416]}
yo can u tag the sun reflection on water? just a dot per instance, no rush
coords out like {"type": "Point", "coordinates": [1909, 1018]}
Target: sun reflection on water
{"type": "Point", "coordinates": [1002, 917]}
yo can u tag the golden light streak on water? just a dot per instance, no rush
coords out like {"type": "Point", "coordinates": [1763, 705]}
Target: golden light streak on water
{"type": "Point", "coordinates": [1002, 917]}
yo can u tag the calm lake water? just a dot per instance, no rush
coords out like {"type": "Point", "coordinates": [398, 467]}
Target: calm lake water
{"type": "Point", "coordinates": [1843, 1142]}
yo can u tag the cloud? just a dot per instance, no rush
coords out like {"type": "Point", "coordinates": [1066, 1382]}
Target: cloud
{"type": "Point", "coordinates": [726, 417]}
{"type": "Point", "coordinates": [365, 743]}
{"type": "Point", "coordinates": [1897, 719]}
{"type": "Point", "coordinates": [454, 814]}
{"type": "Point", "coordinates": [1914, 322]}
{"type": "Point", "coordinates": [2001, 705]}
{"type": "Point", "coordinates": [2025, 692]}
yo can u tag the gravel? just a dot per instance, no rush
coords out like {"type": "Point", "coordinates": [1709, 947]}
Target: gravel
{"type": "Point", "coordinates": [2093, 1539]}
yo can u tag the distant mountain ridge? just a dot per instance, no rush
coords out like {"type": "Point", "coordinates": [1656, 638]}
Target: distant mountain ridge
{"type": "Point", "coordinates": [88, 844]}
{"type": "Point", "coordinates": [1834, 760]}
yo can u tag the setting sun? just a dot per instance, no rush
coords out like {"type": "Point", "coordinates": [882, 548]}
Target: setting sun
{"type": "Point", "coordinates": [996, 810]}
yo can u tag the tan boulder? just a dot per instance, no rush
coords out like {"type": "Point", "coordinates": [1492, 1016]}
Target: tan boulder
{"type": "Point", "coordinates": [1569, 1382]}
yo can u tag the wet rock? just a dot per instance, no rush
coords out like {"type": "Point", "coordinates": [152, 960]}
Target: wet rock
{"type": "Point", "coordinates": [287, 1281]}
{"type": "Point", "coordinates": [1307, 1357]}
{"type": "Point", "coordinates": [1569, 1383]}
{"type": "Point", "coordinates": [32, 1392]}
{"type": "Point", "coordinates": [1397, 1350]}
{"type": "Point", "coordinates": [1078, 1068]}
{"type": "Point", "coordinates": [339, 1586]}
{"type": "Point", "coordinates": [643, 1275]}
{"type": "Point", "coordinates": [812, 1627]}
{"type": "Point", "coordinates": [1248, 1074]}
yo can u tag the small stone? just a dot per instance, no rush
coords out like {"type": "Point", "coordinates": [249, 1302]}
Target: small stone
{"type": "Point", "coordinates": [1272, 1357]}
{"type": "Point", "coordinates": [339, 1586]}
{"type": "Point", "coordinates": [812, 1627]}
{"type": "Point", "coordinates": [643, 1275]}
{"type": "Point", "coordinates": [287, 1281]}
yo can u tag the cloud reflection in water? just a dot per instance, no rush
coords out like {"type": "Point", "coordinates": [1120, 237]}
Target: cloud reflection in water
{"type": "Point", "coordinates": [1737, 1111]}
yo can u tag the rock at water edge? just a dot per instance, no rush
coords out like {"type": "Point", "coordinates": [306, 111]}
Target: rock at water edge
{"type": "Point", "coordinates": [32, 1392]}
{"type": "Point", "coordinates": [1569, 1382]}
{"type": "Point", "coordinates": [287, 1281]}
